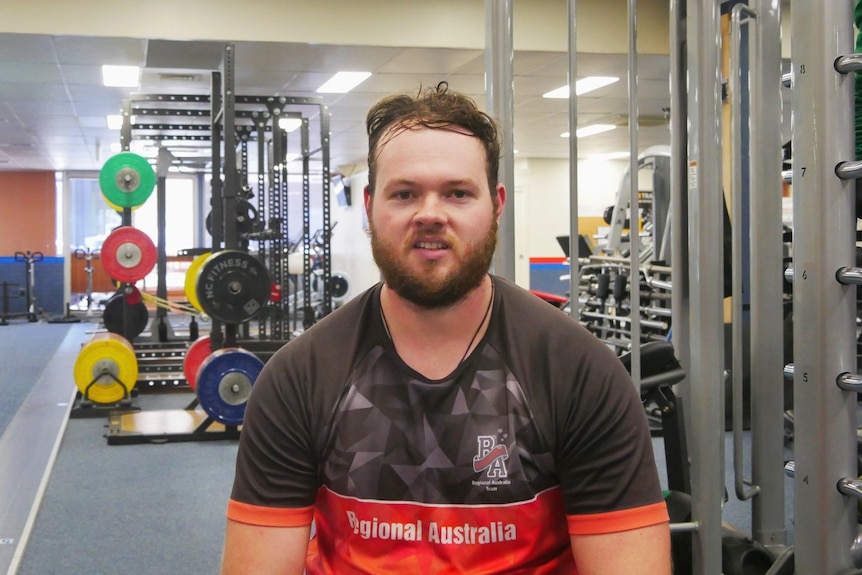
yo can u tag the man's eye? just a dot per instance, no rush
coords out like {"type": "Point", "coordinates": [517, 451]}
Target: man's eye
{"type": "Point", "coordinates": [403, 195]}
{"type": "Point", "coordinates": [459, 194]}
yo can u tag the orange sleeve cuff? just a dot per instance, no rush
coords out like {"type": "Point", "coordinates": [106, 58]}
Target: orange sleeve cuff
{"type": "Point", "coordinates": [614, 521]}
{"type": "Point", "coordinates": [269, 516]}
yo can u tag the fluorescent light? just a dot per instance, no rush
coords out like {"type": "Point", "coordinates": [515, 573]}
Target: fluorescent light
{"type": "Point", "coordinates": [115, 121]}
{"type": "Point", "coordinates": [343, 82]}
{"type": "Point", "coordinates": [582, 86]}
{"type": "Point", "coordinates": [591, 83]}
{"type": "Point", "coordinates": [289, 124]}
{"type": "Point", "coordinates": [590, 130]}
{"type": "Point", "coordinates": [594, 129]}
{"type": "Point", "coordinates": [121, 76]}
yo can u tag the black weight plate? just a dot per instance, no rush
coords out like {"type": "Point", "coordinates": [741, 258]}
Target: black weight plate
{"type": "Point", "coordinates": [338, 286]}
{"type": "Point", "coordinates": [112, 317]}
{"type": "Point", "coordinates": [232, 286]}
{"type": "Point", "coordinates": [224, 382]}
{"type": "Point", "coordinates": [246, 218]}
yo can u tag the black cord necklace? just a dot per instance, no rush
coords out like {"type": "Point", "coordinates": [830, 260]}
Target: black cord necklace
{"type": "Point", "coordinates": [472, 339]}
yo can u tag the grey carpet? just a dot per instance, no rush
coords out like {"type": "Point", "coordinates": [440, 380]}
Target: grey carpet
{"type": "Point", "coordinates": [140, 509]}
{"type": "Point", "coordinates": [25, 349]}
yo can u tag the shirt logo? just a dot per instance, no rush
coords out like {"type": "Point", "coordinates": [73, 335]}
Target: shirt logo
{"type": "Point", "coordinates": [491, 457]}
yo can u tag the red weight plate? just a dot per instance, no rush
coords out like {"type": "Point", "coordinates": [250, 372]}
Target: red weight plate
{"type": "Point", "coordinates": [128, 254]}
{"type": "Point", "coordinates": [195, 356]}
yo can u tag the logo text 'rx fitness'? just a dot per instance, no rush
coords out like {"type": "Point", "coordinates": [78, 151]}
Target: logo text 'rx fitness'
{"type": "Point", "coordinates": [491, 457]}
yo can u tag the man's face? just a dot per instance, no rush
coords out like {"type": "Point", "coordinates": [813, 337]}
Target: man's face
{"type": "Point", "coordinates": [432, 220]}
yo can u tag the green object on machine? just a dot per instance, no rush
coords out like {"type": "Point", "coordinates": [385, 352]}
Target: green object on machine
{"type": "Point", "coordinates": [127, 180]}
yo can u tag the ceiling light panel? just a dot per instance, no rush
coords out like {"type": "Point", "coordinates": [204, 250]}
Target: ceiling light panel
{"type": "Point", "coordinates": [343, 82]}
{"type": "Point", "coordinates": [582, 86]}
{"type": "Point", "coordinates": [121, 76]}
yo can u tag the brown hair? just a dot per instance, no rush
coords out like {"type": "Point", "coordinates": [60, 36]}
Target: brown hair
{"type": "Point", "coordinates": [437, 108]}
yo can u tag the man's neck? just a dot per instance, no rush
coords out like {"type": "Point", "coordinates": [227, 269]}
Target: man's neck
{"type": "Point", "coordinates": [434, 341]}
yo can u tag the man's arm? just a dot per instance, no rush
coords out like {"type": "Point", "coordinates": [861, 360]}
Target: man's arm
{"type": "Point", "coordinates": [643, 551]}
{"type": "Point", "coordinates": [252, 549]}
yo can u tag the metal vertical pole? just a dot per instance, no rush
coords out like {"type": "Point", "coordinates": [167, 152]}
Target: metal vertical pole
{"type": "Point", "coordinates": [499, 99]}
{"type": "Point", "coordinates": [767, 310]}
{"type": "Point", "coordinates": [706, 206]}
{"type": "Point", "coordinates": [231, 184]}
{"type": "Point", "coordinates": [326, 210]}
{"type": "Point", "coordinates": [574, 243]}
{"type": "Point", "coordinates": [824, 310]}
{"type": "Point", "coordinates": [679, 198]}
{"type": "Point", "coordinates": [634, 198]}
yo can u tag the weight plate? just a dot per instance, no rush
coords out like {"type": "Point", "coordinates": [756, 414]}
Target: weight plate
{"type": "Point", "coordinates": [224, 382]}
{"type": "Point", "coordinates": [113, 317]}
{"type": "Point", "coordinates": [128, 254]}
{"type": "Point", "coordinates": [195, 356]}
{"type": "Point", "coordinates": [103, 358]}
{"type": "Point", "coordinates": [115, 207]}
{"type": "Point", "coordinates": [246, 219]}
{"type": "Point", "coordinates": [127, 180]}
{"type": "Point", "coordinates": [232, 286]}
{"type": "Point", "coordinates": [339, 285]}
{"type": "Point", "coordinates": [192, 280]}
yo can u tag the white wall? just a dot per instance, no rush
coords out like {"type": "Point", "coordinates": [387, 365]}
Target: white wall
{"type": "Point", "coordinates": [546, 186]}
{"type": "Point", "coordinates": [351, 246]}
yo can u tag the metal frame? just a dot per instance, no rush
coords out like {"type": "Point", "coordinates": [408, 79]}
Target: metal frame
{"type": "Point", "coordinates": [705, 280]}
{"type": "Point", "coordinates": [824, 308]}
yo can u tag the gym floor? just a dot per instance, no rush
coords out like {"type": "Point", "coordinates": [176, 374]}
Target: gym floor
{"type": "Point", "coordinates": [72, 504]}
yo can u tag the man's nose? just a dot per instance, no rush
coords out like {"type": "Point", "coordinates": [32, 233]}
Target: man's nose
{"type": "Point", "coordinates": [431, 210]}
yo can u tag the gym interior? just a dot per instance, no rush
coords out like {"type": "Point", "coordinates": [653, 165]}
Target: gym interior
{"type": "Point", "coordinates": [125, 375]}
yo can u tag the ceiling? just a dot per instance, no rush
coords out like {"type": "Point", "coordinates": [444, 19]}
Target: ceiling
{"type": "Point", "coordinates": [53, 105]}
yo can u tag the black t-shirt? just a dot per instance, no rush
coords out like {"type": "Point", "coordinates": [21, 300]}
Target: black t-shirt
{"type": "Point", "coordinates": [537, 435]}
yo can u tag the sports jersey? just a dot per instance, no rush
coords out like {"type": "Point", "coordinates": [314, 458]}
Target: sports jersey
{"type": "Point", "coordinates": [537, 435]}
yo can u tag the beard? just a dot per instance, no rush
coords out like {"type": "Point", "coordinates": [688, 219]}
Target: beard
{"type": "Point", "coordinates": [428, 290]}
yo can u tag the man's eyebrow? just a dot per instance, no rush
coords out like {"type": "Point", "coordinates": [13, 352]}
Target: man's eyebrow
{"type": "Point", "coordinates": [447, 183]}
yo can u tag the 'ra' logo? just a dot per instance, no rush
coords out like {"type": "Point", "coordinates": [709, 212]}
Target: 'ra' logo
{"type": "Point", "coordinates": [491, 457]}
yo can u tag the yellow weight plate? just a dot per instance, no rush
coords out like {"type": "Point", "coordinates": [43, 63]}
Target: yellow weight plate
{"type": "Point", "coordinates": [104, 359]}
{"type": "Point", "coordinates": [115, 206]}
{"type": "Point", "coordinates": [190, 284]}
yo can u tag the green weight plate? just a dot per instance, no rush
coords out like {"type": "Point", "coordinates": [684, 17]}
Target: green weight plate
{"type": "Point", "coordinates": [127, 180]}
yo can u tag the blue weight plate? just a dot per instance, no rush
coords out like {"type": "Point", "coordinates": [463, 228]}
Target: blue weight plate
{"type": "Point", "coordinates": [224, 382]}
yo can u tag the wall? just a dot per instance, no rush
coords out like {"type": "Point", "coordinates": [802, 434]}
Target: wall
{"type": "Point", "coordinates": [537, 24]}
{"type": "Point", "coordinates": [27, 219]}
{"type": "Point", "coordinates": [546, 185]}
{"type": "Point", "coordinates": [351, 246]}
{"type": "Point", "coordinates": [28, 223]}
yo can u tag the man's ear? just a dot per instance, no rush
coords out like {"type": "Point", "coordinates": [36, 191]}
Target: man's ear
{"type": "Point", "coordinates": [501, 201]}
{"type": "Point", "coordinates": [366, 198]}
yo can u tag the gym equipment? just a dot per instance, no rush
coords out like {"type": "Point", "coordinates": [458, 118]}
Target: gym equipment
{"type": "Point", "coordinates": [246, 219]}
{"type": "Point", "coordinates": [106, 369]}
{"type": "Point", "coordinates": [128, 254]}
{"type": "Point", "coordinates": [88, 256]}
{"type": "Point", "coordinates": [29, 292]}
{"type": "Point", "coordinates": [232, 286]}
{"type": "Point", "coordinates": [195, 356]}
{"type": "Point", "coordinates": [191, 281]}
{"type": "Point", "coordinates": [114, 319]}
{"type": "Point", "coordinates": [224, 382]}
{"type": "Point", "coordinates": [127, 180]}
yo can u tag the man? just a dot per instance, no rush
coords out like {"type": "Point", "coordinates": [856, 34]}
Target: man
{"type": "Point", "coordinates": [445, 421]}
